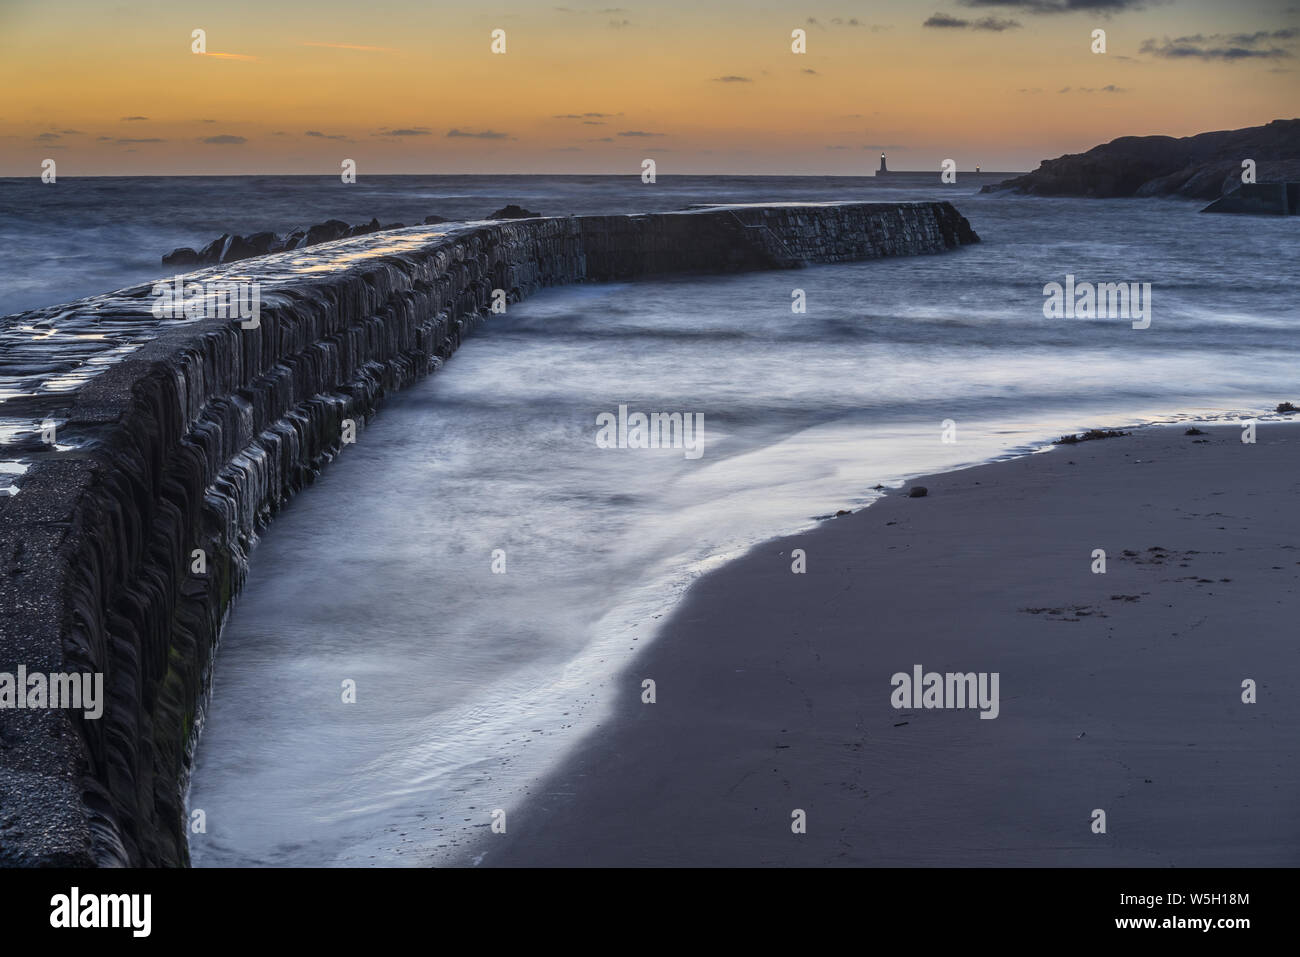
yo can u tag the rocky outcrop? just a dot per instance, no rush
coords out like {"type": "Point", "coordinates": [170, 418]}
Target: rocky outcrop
{"type": "Point", "coordinates": [1200, 167]}
{"type": "Point", "coordinates": [1270, 199]}
{"type": "Point", "coordinates": [143, 487]}
{"type": "Point", "coordinates": [512, 212]}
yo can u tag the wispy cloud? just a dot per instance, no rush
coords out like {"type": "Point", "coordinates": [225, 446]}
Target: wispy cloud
{"type": "Point", "coordinates": [229, 56]}
{"type": "Point", "coordinates": [992, 24]}
{"type": "Point", "coordinates": [481, 135]}
{"type": "Point", "coordinates": [224, 139]}
{"type": "Point", "coordinates": [638, 133]}
{"type": "Point", "coordinates": [407, 131]}
{"type": "Point", "coordinates": [1222, 46]}
{"type": "Point", "coordinates": [732, 79]}
{"type": "Point", "coordinates": [134, 119]}
{"type": "Point", "coordinates": [325, 136]}
{"type": "Point", "coordinates": [1103, 7]}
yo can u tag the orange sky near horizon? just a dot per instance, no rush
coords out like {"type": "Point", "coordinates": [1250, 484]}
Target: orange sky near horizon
{"type": "Point", "coordinates": [401, 87]}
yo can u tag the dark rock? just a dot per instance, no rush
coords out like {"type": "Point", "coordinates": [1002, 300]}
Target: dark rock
{"type": "Point", "coordinates": [238, 248]}
{"type": "Point", "coordinates": [1193, 431]}
{"type": "Point", "coordinates": [181, 256]}
{"type": "Point", "coordinates": [1269, 199]}
{"type": "Point", "coordinates": [262, 243]}
{"type": "Point", "coordinates": [326, 232]}
{"type": "Point", "coordinates": [434, 220]}
{"type": "Point", "coordinates": [918, 491]}
{"type": "Point", "coordinates": [1286, 408]}
{"type": "Point", "coordinates": [211, 253]}
{"type": "Point", "coordinates": [364, 228]}
{"type": "Point", "coordinates": [1201, 166]}
{"type": "Point", "coordinates": [392, 226]}
{"type": "Point", "coordinates": [512, 212]}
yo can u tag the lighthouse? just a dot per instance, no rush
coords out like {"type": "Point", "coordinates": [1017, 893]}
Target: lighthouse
{"type": "Point", "coordinates": [883, 168]}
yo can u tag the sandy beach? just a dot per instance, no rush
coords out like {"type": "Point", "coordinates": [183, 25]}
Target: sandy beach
{"type": "Point", "coordinates": [1119, 691]}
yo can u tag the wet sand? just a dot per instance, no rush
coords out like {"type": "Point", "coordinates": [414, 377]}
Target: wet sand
{"type": "Point", "coordinates": [1119, 691]}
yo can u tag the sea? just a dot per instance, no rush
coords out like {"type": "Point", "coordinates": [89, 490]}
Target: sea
{"type": "Point", "coordinates": [483, 574]}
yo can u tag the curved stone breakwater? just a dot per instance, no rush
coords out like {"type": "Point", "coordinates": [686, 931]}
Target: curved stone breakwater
{"type": "Point", "coordinates": [143, 454]}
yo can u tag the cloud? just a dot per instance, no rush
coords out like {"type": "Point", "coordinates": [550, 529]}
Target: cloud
{"type": "Point", "coordinates": [225, 139]}
{"type": "Point", "coordinates": [325, 136]}
{"type": "Point", "coordinates": [732, 79]}
{"type": "Point", "coordinates": [1220, 46]}
{"type": "Point", "coordinates": [47, 137]}
{"type": "Point", "coordinates": [72, 132]}
{"type": "Point", "coordinates": [620, 24]}
{"type": "Point", "coordinates": [992, 24]}
{"type": "Point", "coordinates": [1031, 89]}
{"type": "Point", "coordinates": [229, 56]}
{"type": "Point", "coordinates": [810, 72]}
{"type": "Point", "coordinates": [593, 122]}
{"type": "Point", "coordinates": [484, 135]}
{"type": "Point", "coordinates": [1103, 7]}
{"type": "Point", "coordinates": [407, 131]}
{"type": "Point", "coordinates": [995, 25]}
{"type": "Point", "coordinates": [152, 139]}
{"type": "Point", "coordinates": [1108, 88]}
{"type": "Point", "coordinates": [638, 133]}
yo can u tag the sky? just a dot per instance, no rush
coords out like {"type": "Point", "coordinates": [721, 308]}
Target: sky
{"type": "Point", "coordinates": [107, 88]}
